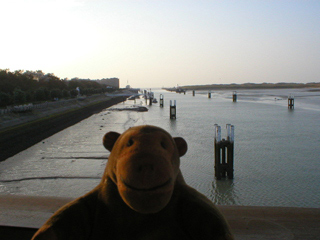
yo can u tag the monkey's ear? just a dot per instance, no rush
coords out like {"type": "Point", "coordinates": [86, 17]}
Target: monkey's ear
{"type": "Point", "coordinates": [109, 140]}
{"type": "Point", "coordinates": [181, 145]}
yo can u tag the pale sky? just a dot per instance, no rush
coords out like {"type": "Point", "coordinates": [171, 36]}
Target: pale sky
{"type": "Point", "coordinates": [156, 43]}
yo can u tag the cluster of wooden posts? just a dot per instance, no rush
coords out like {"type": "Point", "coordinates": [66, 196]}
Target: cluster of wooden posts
{"type": "Point", "coordinates": [223, 152]}
{"type": "Point", "coordinates": [291, 101]}
{"type": "Point", "coordinates": [173, 111]}
{"type": "Point", "coordinates": [173, 104]}
{"type": "Point", "coordinates": [223, 148]}
{"type": "Point", "coordinates": [149, 95]}
{"type": "Point", "coordinates": [173, 107]}
{"type": "Point", "coordinates": [234, 98]}
{"type": "Point", "coordinates": [234, 95]}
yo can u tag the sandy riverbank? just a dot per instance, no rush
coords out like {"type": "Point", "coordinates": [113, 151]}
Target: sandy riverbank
{"type": "Point", "coordinates": [20, 131]}
{"type": "Point", "coordinates": [21, 216]}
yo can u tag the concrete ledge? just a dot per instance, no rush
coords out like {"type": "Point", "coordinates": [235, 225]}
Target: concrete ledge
{"type": "Point", "coordinates": [21, 216]}
{"type": "Point", "coordinates": [273, 222]}
{"type": "Point", "coordinates": [28, 211]}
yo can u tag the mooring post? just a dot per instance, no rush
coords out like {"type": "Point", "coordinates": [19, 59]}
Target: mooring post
{"type": "Point", "coordinates": [234, 96]}
{"type": "Point", "coordinates": [150, 97]}
{"type": "Point", "coordinates": [209, 94]}
{"type": "Point", "coordinates": [291, 101]}
{"type": "Point", "coordinates": [145, 95]}
{"type": "Point", "coordinates": [217, 152]}
{"type": "Point", "coordinates": [161, 100]}
{"type": "Point", "coordinates": [173, 110]}
{"type": "Point", "coordinates": [230, 148]}
{"type": "Point", "coordinates": [224, 152]}
{"type": "Point", "coordinates": [193, 92]}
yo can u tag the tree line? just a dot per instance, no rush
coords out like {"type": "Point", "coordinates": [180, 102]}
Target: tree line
{"type": "Point", "coordinates": [21, 87]}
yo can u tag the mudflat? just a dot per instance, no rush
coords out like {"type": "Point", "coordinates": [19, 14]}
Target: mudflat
{"type": "Point", "coordinates": [22, 131]}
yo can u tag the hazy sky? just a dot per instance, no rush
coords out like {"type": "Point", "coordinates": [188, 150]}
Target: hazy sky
{"type": "Point", "coordinates": [155, 43]}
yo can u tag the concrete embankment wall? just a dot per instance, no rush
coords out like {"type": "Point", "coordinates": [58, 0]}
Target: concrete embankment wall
{"type": "Point", "coordinates": [20, 137]}
{"type": "Point", "coordinates": [23, 215]}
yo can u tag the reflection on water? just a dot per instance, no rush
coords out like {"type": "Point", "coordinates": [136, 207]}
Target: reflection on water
{"type": "Point", "coordinates": [223, 192]}
{"type": "Point", "coordinates": [173, 125]}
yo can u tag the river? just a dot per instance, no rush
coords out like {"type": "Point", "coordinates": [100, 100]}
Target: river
{"type": "Point", "coordinates": [277, 153]}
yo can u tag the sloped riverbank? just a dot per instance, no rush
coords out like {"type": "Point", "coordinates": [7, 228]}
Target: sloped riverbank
{"type": "Point", "coordinates": [21, 132]}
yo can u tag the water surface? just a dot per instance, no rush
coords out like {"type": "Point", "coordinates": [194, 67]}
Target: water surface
{"type": "Point", "coordinates": [276, 149]}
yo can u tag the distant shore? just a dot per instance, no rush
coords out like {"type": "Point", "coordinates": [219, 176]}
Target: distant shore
{"type": "Point", "coordinates": [32, 128]}
{"type": "Point", "coordinates": [233, 86]}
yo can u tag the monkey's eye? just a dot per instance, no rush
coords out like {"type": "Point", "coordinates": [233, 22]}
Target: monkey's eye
{"type": "Point", "coordinates": [163, 145]}
{"type": "Point", "coordinates": [130, 142]}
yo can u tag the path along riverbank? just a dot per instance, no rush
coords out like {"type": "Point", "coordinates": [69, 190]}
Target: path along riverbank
{"type": "Point", "coordinates": [19, 131]}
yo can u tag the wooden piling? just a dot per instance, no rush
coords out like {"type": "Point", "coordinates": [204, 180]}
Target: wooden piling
{"type": "Point", "coordinates": [209, 94]}
{"type": "Point", "coordinates": [151, 96]}
{"type": "Point", "coordinates": [230, 152]}
{"type": "Point", "coordinates": [173, 110]}
{"type": "Point", "coordinates": [193, 92]}
{"type": "Point", "coordinates": [234, 96]}
{"type": "Point", "coordinates": [291, 101]}
{"type": "Point", "coordinates": [161, 100]}
{"type": "Point", "coordinates": [224, 153]}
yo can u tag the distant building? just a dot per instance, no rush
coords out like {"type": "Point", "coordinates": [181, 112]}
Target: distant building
{"type": "Point", "coordinates": [112, 82]}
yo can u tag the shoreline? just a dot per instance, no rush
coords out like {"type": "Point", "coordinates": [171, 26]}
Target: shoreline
{"type": "Point", "coordinates": [255, 86]}
{"type": "Point", "coordinates": [33, 128]}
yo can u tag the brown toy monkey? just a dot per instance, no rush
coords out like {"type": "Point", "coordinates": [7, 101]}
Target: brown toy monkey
{"type": "Point", "coordinates": [142, 195]}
